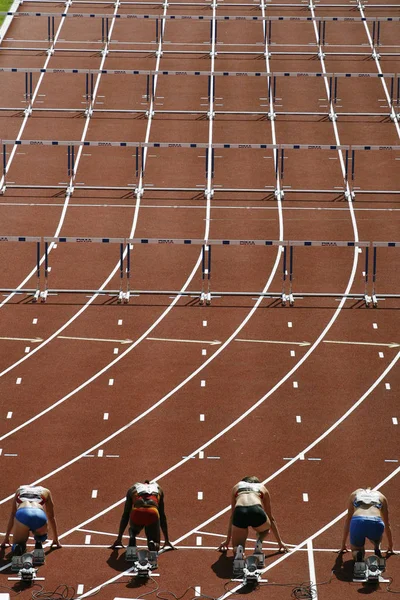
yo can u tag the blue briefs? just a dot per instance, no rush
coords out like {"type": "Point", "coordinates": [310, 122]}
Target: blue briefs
{"type": "Point", "coordinates": [34, 518]}
{"type": "Point", "coordinates": [362, 527]}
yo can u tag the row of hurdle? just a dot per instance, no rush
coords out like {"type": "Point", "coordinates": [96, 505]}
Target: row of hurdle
{"type": "Point", "coordinates": [125, 246]}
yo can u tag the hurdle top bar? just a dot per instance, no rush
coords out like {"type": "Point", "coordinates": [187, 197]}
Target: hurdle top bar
{"type": "Point", "coordinates": [386, 244]}
{"type": "Point", "coordinates": [196, 17]}
{"type": "Point", "coordinates": [84, 240]}
{"type": "Point", "coordinates": [218, 146]}
{"type": "Point", "coordinates": [330, 244]}
{"type": "Point", "coordinates": [203, 242]}
{"type": "Point", "coordinates": [19, 238]}
{"type": "Point", "coordinates": [148, 72]}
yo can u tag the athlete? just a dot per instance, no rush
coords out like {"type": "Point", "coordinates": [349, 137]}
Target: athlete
{"type": "Point", "coordinates": [144, 507]}
{"type": "Point", "coordinates": [251, 507]}
{"type": "Point", "coordinates": [367, 517]}
{"type": "Point", "coordinates": [31, 510]}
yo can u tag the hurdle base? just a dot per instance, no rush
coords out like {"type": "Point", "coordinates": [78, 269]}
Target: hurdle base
{"type": "Point", "coordinates": [26, 580]}
{"type": "Point", "coordinates": [380, 580]}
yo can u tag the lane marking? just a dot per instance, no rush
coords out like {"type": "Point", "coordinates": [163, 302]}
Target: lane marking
{"type": "Point", "coordinates": [210, 342]}
{"type": "Point", "coordinates": [18, 381]}
{"type": "Point", "coordinates": [86, 339]}
{"type": "Point", "coordinates": [79, 589]}
{"type": "Point", "coordinates": [111, 382]}
{"type": "Point", "coordinates": [115, 350]}
{"type": "Point", "coordinates": [20, 339]}
{"type": "Point", "coordinates": [199, 495]}
{"type": "Point", "coordinates": [201, 454]}
{"type": "Point", "coordinates": [390, 345]}
{"type": "Point", "coordinates": [204, 323]}
{"type": "Point", "coordinates": [275, 342]}
{"type": "Point", "coordinates": [119, 321]}
{"type": "Point", "coordinates": [203, 383]}
{"type": "Point", "coordinates": [311, 569]}
{"type": "Point", "coordinates": [197, 590]}
{"type": "Point", "coordinates": [292, 353]}
{"type": "Point", "coordinates": [87, 539]}
{"type": "Point", "coordinates": [94, 493]}
{"type": "Point", "coordinates": [204, 352]}
{"type": "Point", "coordinates": [290, 324]}
{"type": "Point", "coordinates": [298, 419]}
{"type": "Point", "coordinates": [305, 497]}
{"type": "Point", "coordinates": [202, 417]}
{"type": "Point", "coordinates": [199, 540]}
{"type": "Point", "coordinates": [105, 416]}
{"type": "Point", "coordinates": [295, 384]}
{"type": "Point", "coordinates": [395, 421]}
{"type": "Point", "coordinates": [27, 349]}
{"type": "Point", "coordinates": [387, 386]}
{"type": "Point", "coordinates": [375, 325]}
{"type": "Point", "coordinates": [100, 453]}
{"type": "Point", "coordinates": [9, 415]}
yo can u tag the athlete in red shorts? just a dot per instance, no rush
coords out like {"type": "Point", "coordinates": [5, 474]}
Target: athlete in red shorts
{"type": "Point", "coordinates": [144, 507]}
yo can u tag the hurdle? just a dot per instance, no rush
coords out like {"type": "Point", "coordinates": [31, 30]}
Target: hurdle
{"type": "Point", "coordinates": [204, 294]}
{"type": "Point", "coordinates": [29, 239]}
{"type": "Point", "coordinates": [82, 240]}
{"type": "Point", "coordinates": [328, 244]}
{"type": "Point", "coordinates": [374, 297]}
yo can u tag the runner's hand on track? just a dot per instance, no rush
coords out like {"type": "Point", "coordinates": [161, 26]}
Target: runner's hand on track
{"type": "Point", "coordinates": [5, 543]}
{"type": "Point", "coordinates": [283, 549]}
{"type": "Point", "coordinates": [343, 550]}
{"type": "Point", "coordinates": [55, 543]}
{"type": "Point", "coordinates": [168, 546]}
{"type": "Point", "coordinates": [117, 544]}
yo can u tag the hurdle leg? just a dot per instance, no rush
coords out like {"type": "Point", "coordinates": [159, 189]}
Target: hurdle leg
{"type": "Point", "coordinates": [128, 272]}
{"type": "Point", "coordinates": [37, 293]}
{"type": "Point", "coordinates": [203, 262]}
{"type": "Point", "coordinates": [291, 297]}
{"type": "Point", "coordinates": [208, 273]}
{"type": "Point", "coordinates": [284, 273]}
{"type": "Point", "coordinates": [367, 298]}
{"type": "Point", "coordinates": [4, 185]}
{"type": "Point", "coordinates": [121, 294]}
{"type": "Point", "coordinates": [374, 261]}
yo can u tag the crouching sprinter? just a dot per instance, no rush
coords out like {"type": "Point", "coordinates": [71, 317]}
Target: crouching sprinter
{"type": "Point", "coordinates": [144, 507]}
{"type": "Point", "coordinates": [32, 509]}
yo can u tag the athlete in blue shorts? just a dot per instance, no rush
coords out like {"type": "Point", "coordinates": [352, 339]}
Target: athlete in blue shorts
{"type": "Point", "coordinates": [367, 517]}
{"type": "Point", "coordinates": [32, 508]}
{"type": "Point", "coordinates": [251, 507]}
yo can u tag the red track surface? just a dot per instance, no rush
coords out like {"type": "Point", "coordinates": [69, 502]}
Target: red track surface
{"type": "Point", "coordinates": [197, 416]}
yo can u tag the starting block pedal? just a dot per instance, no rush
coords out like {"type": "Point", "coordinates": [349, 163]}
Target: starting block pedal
{"type": "Point", "coordinates": [251, 571]}
{"type": "Point", "coordinates": [131, 554]}
{"type": "Point", "coordinates": [370, 571]}
{"type": "Point", "coordinates": [259, 554]}
{"type": "Point", "coordinates": [43, 296]}
{"type": "Point", "coordinates": [38, 556]}
{"type": "Point", "coordinates": [238, 562]}
{"type": "Point", "coordinates": [374, 301]}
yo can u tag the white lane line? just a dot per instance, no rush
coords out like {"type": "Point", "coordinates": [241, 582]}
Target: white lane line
{"type": "Point", "coordinates": [311, 569]}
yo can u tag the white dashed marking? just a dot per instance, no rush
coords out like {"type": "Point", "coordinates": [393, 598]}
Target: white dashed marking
{"type": "Point", "coordinates": [301, 456]}
{"type": "Point", "coordinates": [295, 384]}
{"type": "Point", "coordinates": [115, 350]}
{"type": "Point", "coordinates": [199, 540]}
{"type": "Point", "coordinates": [391, 460]}
{"type": "Point", "coordinates": [290, 324]}
{"type": "Point", "coordinates": [387, 386]}
{"type": "Point", "coordinates": [119, 321]}
{"type": "Point", "coordinates": [203, 383]}
{"type": "Point", "coordinates": [204, 352]}
{"type": "Point", "coordinates": [298, 419]}
{"type": "Point", "coordinates": [305, 497]}
{"type": "Point", "coordinates": [19, 379]}
{"type": "Point", "coordinates": [111, 382]}
{"type": "Point", "coordinates": [94, 493]}
{"type": "Point", "coordinates": [80, 588]}
{"type": "Point", "coordinates": [105, 416]}
{"type": "Point", "coordinates": [88, 539]}
{"type": "Point", "coordinates": [204, 323]}
{"type": "Point", "coordinates": [199, 495]}
{"type": "Point", "coordinates": [375, 325]}
{"type": "Point", "coordinates": [34, 321]}
{"type": "Point", "coordinates": [197, 590]}
{"type": "Point", "coordinates": [202, 417]}
{"type": "Point", "coordinates": [395, 421]}
{"type": "Point", "coordinates": [201, 454]}
{"type": "Point", "coordinates": [381, 355]}
{"type": "Point", "coordinates": [9, 415]}
{"type": "Point", "coordinates": [100, 453]}
{"type": "Point", "coordinates": [292, 353]}
{"type": "Point", "coordinates": [27, 349]}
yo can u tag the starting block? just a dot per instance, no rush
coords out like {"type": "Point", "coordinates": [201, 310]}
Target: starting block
{"type": "Point", "coordinates": [38, 556]}
{"type": "Point", "coordinates": [144, 561]}
{"type": "Point", "coordinates": [249, 570]}
{"type": "Point", "coordinates": [23, 565]}
{"type": "Point", "coordinates": [370, 570]}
